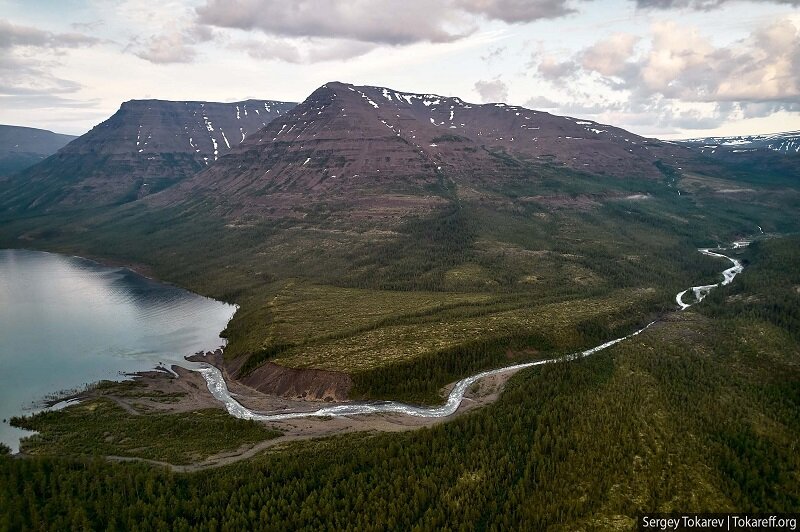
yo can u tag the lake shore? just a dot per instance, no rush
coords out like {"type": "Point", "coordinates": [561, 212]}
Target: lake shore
{"type": "Point", "coordinates": [68, 322]}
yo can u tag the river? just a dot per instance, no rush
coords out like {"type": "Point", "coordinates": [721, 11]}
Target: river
{"type": "Point", "coordinates": [216, 381]}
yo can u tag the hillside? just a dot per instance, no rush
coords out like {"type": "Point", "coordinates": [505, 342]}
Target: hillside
{"type": "Point", "coordinates": [144, 147]}
{"type": "Point", "coordinates": [21, 147]}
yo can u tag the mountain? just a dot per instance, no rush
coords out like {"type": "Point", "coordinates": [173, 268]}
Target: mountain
{"type": "Point", "coordinates": [21, 147]}
{"type": "Point", "coordinates": [379, 149]}
{"type": "Point", "coordinates": [774, 158]}
{"type": "Point", "coordinates": [144, 147]}
{"type": "Point", "coordinates": [787, 142]}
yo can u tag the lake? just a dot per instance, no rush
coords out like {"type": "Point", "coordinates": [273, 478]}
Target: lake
{"type": "Point", "coordinates": [66, 322]}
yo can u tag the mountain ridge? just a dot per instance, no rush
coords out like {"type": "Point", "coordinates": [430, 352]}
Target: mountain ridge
{"type": "Point", "coordinates": [347, 150]}
{"type": "Point", "coordinates": [403, 146]}
{"type": "Point", "coordinates": [786, 142]}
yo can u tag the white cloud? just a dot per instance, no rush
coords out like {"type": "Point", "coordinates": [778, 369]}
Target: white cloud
{"type": "Point", "coordinates": [302, 51]}
{"type": "Point", "coordinates": [680, 78]}
{"type": "Point", "coordinates": [12, 35]}
{"type": "Point", "coordinates": [541, 102]}
{"type": "Point", "coordinates": [28, 56]}
{"type": "Point", "coordinates": [492, 91]}
{"type": "Point", "coordinates": [699, 4]}
{"type": "Point", "coordinates": [684, 64]}
{"type": "Point", "coordinates": [170, 47]}
{"type": "Point", "coordinates": [549, 67]}
{"type": "Point", "coordinates": [374, 21]}
{"type": "Point", "coordinates": [516, 11]}
{"type": "Point", "coordinates": [765, 67]}
{"type": "Point", "coordinates": [608, 57]}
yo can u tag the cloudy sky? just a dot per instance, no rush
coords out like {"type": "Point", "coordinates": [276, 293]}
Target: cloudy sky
{"type": "Point", "coordinates": [667, 68]}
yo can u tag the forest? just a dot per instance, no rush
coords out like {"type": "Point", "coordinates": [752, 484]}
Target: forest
{"type": "Point", "coordinates": [699, 413]}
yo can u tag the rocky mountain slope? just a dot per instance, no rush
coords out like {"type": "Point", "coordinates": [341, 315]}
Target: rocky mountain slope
{"type": "Point", "coordinates": [144, 147]}
{"type": "Point", "coordinates": [21, 147]}
{"type": "Point", "coordinates": [368, 147]}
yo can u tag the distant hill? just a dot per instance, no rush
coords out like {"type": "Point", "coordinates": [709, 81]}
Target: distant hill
{"type": "Point", "coordinates": [144, 147]}
{"type": "Point", "coordinates": [21, 147]}
{"type": "Point", "coordinates": [776, 154]}
{"type": "Point", "coordinates": [787, 142]}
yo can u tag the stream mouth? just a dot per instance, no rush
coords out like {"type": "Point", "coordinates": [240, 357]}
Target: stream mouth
{"type": "Point", "coordinates": [219, 389]}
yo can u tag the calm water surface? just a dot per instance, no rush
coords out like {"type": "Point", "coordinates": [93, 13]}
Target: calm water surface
{"type": "Point", "coordinates": [67, 321]}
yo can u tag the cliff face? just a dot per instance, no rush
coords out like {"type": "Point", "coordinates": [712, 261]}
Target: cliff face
{"type": "Point", "coordinates": [144, 147]}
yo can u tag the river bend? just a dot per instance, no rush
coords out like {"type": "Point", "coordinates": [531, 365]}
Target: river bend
{"type": "Point", "coordinates": [219, 389]}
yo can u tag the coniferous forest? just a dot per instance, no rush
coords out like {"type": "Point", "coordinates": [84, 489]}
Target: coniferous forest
{"type": "Point", "coordinates": [692, 415]}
